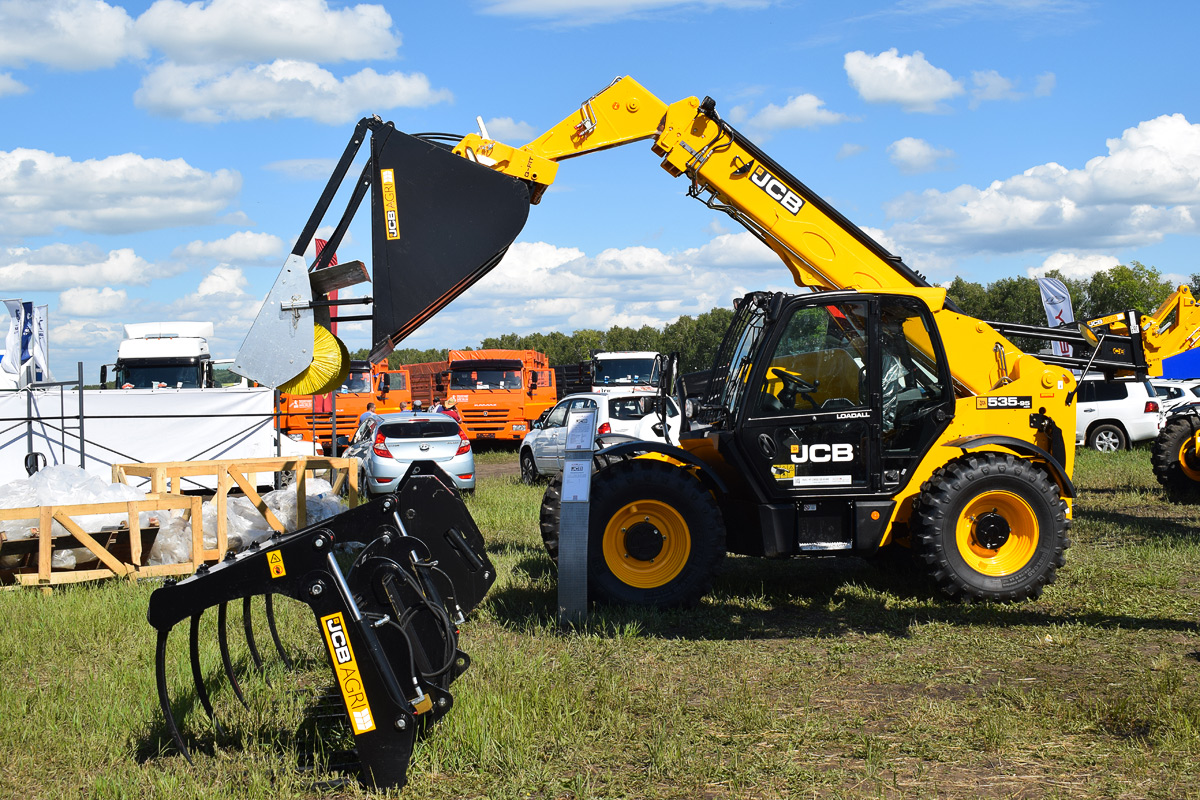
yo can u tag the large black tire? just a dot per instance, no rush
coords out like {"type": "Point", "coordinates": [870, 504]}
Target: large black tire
{"type": "Point", "coordinates": [1107, 438]}
{"type": "Point", "coordinates": [1175, 461]}
{"type": "Point", "coordinates": [655, 535]}
{"type": "Point", "coordinates": [529, 470]}
{"type": "Point", "coordinates": [990, 526]}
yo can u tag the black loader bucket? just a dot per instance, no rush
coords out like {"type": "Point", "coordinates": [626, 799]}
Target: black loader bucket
{"type": "Point", "coordinates": [388, 583]}
{"type": "Point", "coordinates": [439, 223]}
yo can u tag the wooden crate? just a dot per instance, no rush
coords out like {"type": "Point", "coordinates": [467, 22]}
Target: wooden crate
{"type": "Point", "coordinates": [119, 553]}
{"type": "Point", "coordinates": [230, 473]}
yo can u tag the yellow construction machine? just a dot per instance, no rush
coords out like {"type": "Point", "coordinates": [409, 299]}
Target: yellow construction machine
{"type": "Point", "coordinates": [864, 412]}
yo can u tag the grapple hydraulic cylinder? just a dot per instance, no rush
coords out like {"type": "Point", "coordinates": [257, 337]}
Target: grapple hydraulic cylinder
{"type": "Point", "coordinates": [388, 583]}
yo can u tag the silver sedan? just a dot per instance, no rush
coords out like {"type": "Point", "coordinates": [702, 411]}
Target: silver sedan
{"type": "Point", "coordinates": [387, 444]}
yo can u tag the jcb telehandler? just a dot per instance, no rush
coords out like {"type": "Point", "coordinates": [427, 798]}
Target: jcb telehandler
{"type": "Point", "coordinates": [866, 412]}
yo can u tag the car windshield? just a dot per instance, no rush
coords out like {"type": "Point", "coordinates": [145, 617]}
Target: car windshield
{"type": "Point", "coordinates": [358, 382]}
{"type": "Point", "coordinates": [625, 371]}
{"type": "Point", "coordinates": [419, 429]}
{"type": "Point", "coordinates": [485, 379]}
{"type": "Point", "coordinates": [184, 376]}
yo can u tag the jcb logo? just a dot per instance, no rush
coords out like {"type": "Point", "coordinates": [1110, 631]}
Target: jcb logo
{"type": "Point", "coordinates": [778, 191]}
{"type": "Point", "coordinates": [339, 645]}
{"type": "Point", "coordinates": [349, 678]}
{"type": "Point", "coordinates": [821, 453]}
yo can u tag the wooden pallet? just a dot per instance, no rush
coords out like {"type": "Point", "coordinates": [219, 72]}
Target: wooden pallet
{"type": "Point", "coordinates": [230, 473]}
{"type": "Point", "coordinates": [120, 552]}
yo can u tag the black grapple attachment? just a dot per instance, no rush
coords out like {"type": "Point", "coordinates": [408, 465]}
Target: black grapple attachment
{"type": "Point", "coordinates": [388, 582]}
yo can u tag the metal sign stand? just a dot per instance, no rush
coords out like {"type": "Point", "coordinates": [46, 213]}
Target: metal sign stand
{"type": "Point", "coordinates": [573, 519]}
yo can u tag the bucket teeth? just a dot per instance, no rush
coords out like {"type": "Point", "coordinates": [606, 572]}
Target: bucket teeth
{"type": "Point", "coordinates": [279, 648]}
{"type": "Point", "coordinates": [160, 678]}
{"type": "Point", "coordinates": [197, 673]}
{"type": "Point", "coordinates": [223, 641]}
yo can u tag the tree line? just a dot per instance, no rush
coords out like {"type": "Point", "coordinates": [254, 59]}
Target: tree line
{"type": "Point", "coordinates": [696, 338]}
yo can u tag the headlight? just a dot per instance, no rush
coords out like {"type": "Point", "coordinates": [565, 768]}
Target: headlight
{"type": "Point", "coordinates": [296, 437]}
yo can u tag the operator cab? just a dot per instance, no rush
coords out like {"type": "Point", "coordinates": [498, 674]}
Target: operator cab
{"type": "Point", "coordinates": [828, 401]}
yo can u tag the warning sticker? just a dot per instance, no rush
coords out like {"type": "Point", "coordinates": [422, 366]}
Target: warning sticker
{"type": "Point", "coordinates": [275, 562]}
{"type": "Point", "coordinates": [783, 472]}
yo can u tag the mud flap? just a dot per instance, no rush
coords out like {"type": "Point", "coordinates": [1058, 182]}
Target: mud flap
{"type": "Point", "coordinates": [388, 584]}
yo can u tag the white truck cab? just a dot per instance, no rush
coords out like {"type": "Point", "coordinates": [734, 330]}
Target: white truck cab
{"type": "Point", "coordinates": [163, 355]}
{"type": "Point", "coordinates": [625, 371]}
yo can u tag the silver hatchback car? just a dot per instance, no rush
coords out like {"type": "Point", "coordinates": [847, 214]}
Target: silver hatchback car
{"type": "Point", "coordinates": [387, 444]}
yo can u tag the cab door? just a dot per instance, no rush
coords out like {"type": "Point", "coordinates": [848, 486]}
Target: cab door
{"type": "Point", "coordinates": [811, 414]}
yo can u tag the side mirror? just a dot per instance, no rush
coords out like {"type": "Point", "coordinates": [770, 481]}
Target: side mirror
{"type": "Point", "coordinates": [385, 383]}
{"type": "Point", "coordinates": [104, 377]}
{"type": "Point", "coordinates": [657, 428]}
{"type": "Point", "coordinates": [209, 379]}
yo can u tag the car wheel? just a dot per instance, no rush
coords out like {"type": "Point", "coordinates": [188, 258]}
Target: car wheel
{"type": "Point", "coordinates": [1106, 438]}
{"type": "Point", "coordinates": [529, 470]}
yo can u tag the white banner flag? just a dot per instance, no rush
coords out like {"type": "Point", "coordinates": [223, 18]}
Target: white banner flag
{"type": "Point", "coordinates": [12, 342]}
{"type": "Point", "coordinates": [41, 340]}
{"type": "Point", "coordinates": [1057, 302]}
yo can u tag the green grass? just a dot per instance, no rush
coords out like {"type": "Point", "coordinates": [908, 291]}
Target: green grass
{"type": "Point", "coordinates": [832, 678]}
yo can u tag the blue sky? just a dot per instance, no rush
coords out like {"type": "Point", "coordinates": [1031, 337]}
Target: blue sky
{"type": "Point", "coordinates": [158, 159]}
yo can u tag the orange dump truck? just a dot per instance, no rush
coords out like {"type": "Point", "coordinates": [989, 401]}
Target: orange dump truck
{"type": "Point", "coordinates": [310, 418]}
{"type": "Point", "coordinates": [499, 392]}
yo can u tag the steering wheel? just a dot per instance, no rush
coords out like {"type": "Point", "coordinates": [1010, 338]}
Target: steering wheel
{"type": "Point", "coordinates": [794, 385]}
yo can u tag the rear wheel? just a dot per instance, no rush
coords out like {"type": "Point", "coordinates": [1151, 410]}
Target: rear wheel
{"type": "Point", "coordinates": [1175, 459]}
{"type": "Point", "coordinates": [991, 526]}
{"type": "Point", "coordinates": [1106, 438]}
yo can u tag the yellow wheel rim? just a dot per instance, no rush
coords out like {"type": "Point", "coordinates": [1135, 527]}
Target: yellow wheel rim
{"type": "Point", "coordinates": [1017, 547]}
{"type": "Point", "coordinates": [1187, 453]}
{"type": "Point", "coordinates": [646, 544]}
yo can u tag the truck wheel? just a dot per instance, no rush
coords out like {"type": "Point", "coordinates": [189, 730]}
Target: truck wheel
{"type": "Point", "coordinates": [990, 526]}
{"type": "Point", "coordinates": [529, 470]}
{"type": "Point", "coordinates": [1175, 460]}
{"type": "Point", "coordinates": [655, 536]}
{"type": "Point", "coordinates": [1106, 438]}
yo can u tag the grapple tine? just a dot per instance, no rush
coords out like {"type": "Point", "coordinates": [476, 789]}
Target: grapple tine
{"type": "Point", "coordinates": [160, 677]}
{"type": "Point", "coordinates": [279, 648]}
{"type": "Point", "coordinates": [248, 626]}
{"type": "Point", "coordinates": [223, 641]}
{"type": "Point", "coordinates": [197, 673]}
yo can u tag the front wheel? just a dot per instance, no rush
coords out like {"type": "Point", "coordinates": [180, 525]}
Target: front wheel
{"type": "Point", "coordinates": [990, 526]}
{"type": "Point", "coordinates": [529, 470]}
{"type": "Point", "coordinates": [655, 536]}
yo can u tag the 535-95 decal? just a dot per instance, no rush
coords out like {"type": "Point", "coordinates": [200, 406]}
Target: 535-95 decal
{"type": "Point", "coordinates": [1005, 401]}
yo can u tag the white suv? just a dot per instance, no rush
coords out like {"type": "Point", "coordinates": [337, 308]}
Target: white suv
{"type": "Point", "coordinates": [1111, 415]}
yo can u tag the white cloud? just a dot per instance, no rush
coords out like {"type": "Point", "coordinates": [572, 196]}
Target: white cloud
{"type": "Point", "coordinates": [10, 85]}
{"type": "Point", "coordinates": [1148, 185]}
{"type": "Point", "coordinates": [81, 302]}
{"type": "Point", "coordinates": [222, 281]}
{"type": "Point", "coordinates": [1071, 265]}
{"type": "Point", "coordinates": [235, 30]}
{"type": "Point", "coordinates": [305, 168]}
{"type": "Point", "coordinates": [40, 192]}
{"type": "Point", "coordinates": [582, 12]}
{"type": "Point", "coordinates": [802, 111]}
{"type": "Point", "coordinates": [991, 85]}
{"type": "Point", "coordinates": [243, 247]}
{"type": "Point", "coordinates": [910, 81]}
{"type": "Point", "coordinates": [283, 89]}
{"type": "Point", "coordinates": [848, 150]}
{"type": "Point", "coordinates": [63, 266]}
{"type": "Point", "coordinates": [504, 129]}
{"type": "Point", "coordinates": [84, 334]}
{"type": "Point", "coordinates": [913, 156]}
{"type": "Point", "coordinates": [1045, 84]}
{"type": "Point", "coordinates": [69, 34]}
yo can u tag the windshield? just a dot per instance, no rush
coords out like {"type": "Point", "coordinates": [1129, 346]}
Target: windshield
{"type": "Point", "coordinates": [625, 372]}
{"type": "Point", "coordinates": [358, 381]}
{"type": "Point", "coordinates": [731, 368]}
{"type": "Point", "coordinates": [169, 376]}
{"type": "Point", "coordinates": [485, 379]}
